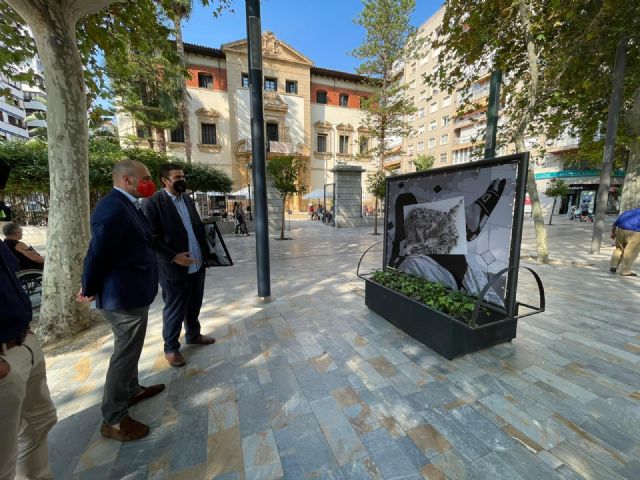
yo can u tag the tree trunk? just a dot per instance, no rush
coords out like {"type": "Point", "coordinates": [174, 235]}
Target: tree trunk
{"type": "Point", "coordinates": [161, 140]}
{"type": "Point", "coordinates": [536, 209]}
{"type": "Point", "coordinates": [532, 98]}
{"type": "Point", "coordinates": [552, 209]}
{"type": "Point", "coordinates": [630, 198]}
{"type": "Point", "coordinates": [284, 201]}
{"type": "Point", "coordinates": [184, 101]}
{"type": "Point", "coordinates": [54, 28]}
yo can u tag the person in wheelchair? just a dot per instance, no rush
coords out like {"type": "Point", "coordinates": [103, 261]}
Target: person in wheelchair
{"type": "Point", "coordinates": [27, 256]}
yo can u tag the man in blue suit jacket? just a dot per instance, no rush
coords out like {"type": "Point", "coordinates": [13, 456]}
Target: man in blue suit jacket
{"type": "Point", "coordinates": [179, 237]}
{"type": "Point", "coordinates": [121, 273]}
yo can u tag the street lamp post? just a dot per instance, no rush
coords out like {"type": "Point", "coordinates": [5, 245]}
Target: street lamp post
{"type": "Point", "coordinates": [250, 214]}
{"type": "Point", "coordinates": [259, 174]}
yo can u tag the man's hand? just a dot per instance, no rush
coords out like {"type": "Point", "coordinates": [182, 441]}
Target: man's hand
{"type": "Point", "coordinates": [185, 259]}
{"type": "Point", "coordinates": [5, 368]}
{"type": "Point", "coordinates": [613, 234]}
{"type": "Point", "coordinates": [80, 298]}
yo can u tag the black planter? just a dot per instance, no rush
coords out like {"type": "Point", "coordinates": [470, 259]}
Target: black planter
{"type": "Point", "coordinates": [442, 333]}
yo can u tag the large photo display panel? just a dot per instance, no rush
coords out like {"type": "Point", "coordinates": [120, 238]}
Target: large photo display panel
{"type": "Point", "coordinates": [455, 225]}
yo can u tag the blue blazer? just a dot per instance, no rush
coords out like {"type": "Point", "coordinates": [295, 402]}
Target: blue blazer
{"type": "Point", "coordinates": [120, 268]}
{"type": "Point", "coordinates": [15, 306]}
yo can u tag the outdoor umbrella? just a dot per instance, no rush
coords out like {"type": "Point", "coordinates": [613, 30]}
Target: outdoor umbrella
{"type": "Point", "coordinates": [314, 194]}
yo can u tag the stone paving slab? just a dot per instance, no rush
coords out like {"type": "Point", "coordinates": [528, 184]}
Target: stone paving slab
{"type": "Point", "coordinates": [313, 385]}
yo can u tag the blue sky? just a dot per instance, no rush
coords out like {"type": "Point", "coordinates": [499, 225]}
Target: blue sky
{"type": "Point", "coordinates": [323, 30]}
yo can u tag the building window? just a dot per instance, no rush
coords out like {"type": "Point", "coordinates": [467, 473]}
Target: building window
{"type": "Point", "coordinates": [208, 133]}
{"type": "Point", "coordinates": [433, 125]}
{"type": "Point", "coordinates": [421, 113]}
{"type": "Point", "coordinates": [291, 86]}
{"type": "Point", "coordinates": [410, 150]}
{"type": "Point", "coordinates": [432, 142]}
{"type": "Point", "coordinates": [364, 145]}
{"type": "Point", "coordinates": [321, 143]}
{"type": "Point", "coordinates": [363, 102]}
{"type": "Point", "coordinates": [420, 147]}
{"type": "Point", "coordinates": [446, 101]}
{"type": "Point", "coordinates": [446, 120]}
{"type": "Point", "coordinates": [462, 155]}
{"type": "Point", "coordinates": [344, 100]}
{"type": "Point", "coordinates": [444, 139]}
{"type": "Point", "coordinates": [434, 107]}
{"type": "Point", "coordinates": [245, 80]}
{"type": "Point", "coordinates": [270, 84]}
{"type": "Point", "coordinates": [344, 145]}
{"type": "Point", "coordinates": [321, 96]}
{"type": "Point", "coordinates": [205, 80]}
{"type": "Point", "coordinates": [421, 130]}
{"type": "Point", "coordinates": [423, 95]}
{"type": "Point", "coordinates": [177, 134]}
{"type": "Point", "coordinates": [443, 157]}
{"type": "Point", "coordinates": [272, 132]}
{"type": "Point", "coordinates": [141, 132]}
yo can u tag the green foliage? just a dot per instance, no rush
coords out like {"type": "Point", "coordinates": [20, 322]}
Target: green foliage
{"type": "Point", "coordinates": [377, 183]}
{"type": "Point", "coordinates": [390, 39]}
{"type": "Point", "coordinates": [29, 166]}
{"type": "Point", "coordinates": [30, 171]}
{"type": "Point", "coordinates": [557, 189]}
{"type": "Point", "coordinates": [435, 295]}
{"type": "Point", "coordinates": [423, 162]}
{"type": "Point", "coordinates": [286, 172]}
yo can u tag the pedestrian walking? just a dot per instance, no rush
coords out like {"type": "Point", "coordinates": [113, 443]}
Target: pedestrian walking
{"type": "Point", "coordinates": [27, 413]}
{"type": "Point", "coordinates": [626, 232]}
{"type": "Point", "coordinates": [121, 273]}
{"type": "Point", "coordinates": [179, 236]}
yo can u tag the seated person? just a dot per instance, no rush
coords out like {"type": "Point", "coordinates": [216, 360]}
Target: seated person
{"type": "Point", "coordinates": [26, 255]}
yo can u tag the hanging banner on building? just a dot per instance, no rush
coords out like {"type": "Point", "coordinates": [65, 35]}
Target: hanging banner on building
{"type": "Point", "coordinates": [459, 225]}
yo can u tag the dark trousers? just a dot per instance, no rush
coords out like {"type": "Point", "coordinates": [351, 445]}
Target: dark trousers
{"type": "Point", "coordinates": [182, 302]}
{"type": "Point", "coordinates": [129, 329]}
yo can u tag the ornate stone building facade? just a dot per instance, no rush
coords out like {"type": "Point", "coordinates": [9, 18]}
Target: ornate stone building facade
{"type": "Point", "coordinates": [310, 112]}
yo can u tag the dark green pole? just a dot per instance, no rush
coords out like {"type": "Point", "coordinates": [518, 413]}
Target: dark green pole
{"type": "Point", "coordinates": [258, 148]}
{"type": "Point", "coordinates": [492, 115]}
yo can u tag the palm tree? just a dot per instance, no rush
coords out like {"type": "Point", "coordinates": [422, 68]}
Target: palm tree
{"type": "Point", "coordinates": [180, 10]}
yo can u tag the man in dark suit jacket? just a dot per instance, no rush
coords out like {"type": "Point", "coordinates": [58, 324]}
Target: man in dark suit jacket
{"type": "Point", "coordinates": [121, 273]}
{"type": "Point", "coordinates": [179, 238]}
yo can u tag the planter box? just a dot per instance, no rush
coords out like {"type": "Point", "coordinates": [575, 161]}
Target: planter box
{"type": "Point", "coordinates": [442, 333]}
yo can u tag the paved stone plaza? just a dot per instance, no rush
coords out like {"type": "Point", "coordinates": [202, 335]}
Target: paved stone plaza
{"type": "Point", "coordinates": [313, 385]}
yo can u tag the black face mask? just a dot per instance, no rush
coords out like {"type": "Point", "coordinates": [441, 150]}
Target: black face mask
{"type": "Point", "coordinates": [180, 186]}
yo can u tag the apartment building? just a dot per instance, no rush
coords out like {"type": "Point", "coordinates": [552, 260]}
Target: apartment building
{"type": "Point", "coordinates": [12, 111]}
{"type": "Point", "coordinates": [35, 97]}
{"type": "Point", "coordinates": [310, 112]}
{"type": "Point", "coordinates": [451, 139]}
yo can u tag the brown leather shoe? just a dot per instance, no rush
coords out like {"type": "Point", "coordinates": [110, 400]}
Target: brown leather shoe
{"type": "Point", "coordinates": [129, 430]}
{"type": "Point", "coordinates": [175, 359]}
{"type": "Point", "coordinates": [146, 392]}
{"type": "Point", "coordinates": [202, 340]}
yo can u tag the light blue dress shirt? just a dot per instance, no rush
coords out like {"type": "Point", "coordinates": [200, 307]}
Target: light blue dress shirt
{"type": "Point", "coordinates": [194, 247]}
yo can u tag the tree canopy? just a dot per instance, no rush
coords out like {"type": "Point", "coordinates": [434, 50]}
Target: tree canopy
{"type": "Point", "coordinates": [390, 40]}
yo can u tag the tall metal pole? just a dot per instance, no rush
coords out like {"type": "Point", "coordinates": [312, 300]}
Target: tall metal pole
{"type": "Point", "coordinates": [492, 114]}
{"type": "Point", "coordinates": [609, 144]}
{"type": "Point", "coordinates": [258, 148]}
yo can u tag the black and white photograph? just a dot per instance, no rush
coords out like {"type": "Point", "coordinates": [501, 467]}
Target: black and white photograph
{"type": "Point", "coordinates": [453, 227]}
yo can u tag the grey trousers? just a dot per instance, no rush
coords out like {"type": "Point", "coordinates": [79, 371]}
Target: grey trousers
{"type": "Point", "coordinates": [129, 329]}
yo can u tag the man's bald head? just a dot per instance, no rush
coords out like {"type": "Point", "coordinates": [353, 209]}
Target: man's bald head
{"type": "Point", "coordinates": [124, 168]}
{"type": "Point", "coordinates": [127, 173]}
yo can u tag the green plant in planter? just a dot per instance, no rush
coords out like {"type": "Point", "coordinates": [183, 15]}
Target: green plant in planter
{"type": "Point", "coordinates": [435, 295]}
